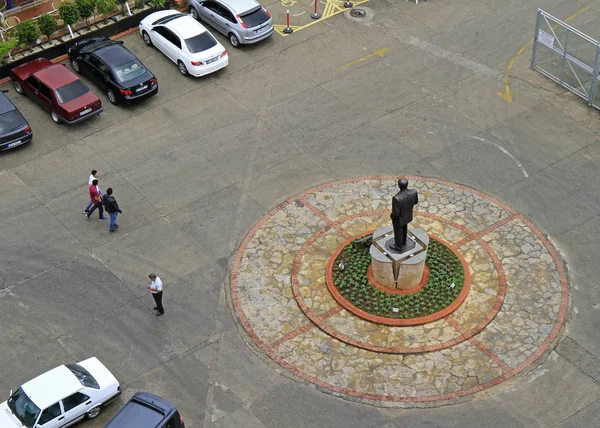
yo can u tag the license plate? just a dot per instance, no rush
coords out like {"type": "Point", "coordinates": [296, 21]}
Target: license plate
{"type": "Point", "coordinates": [16, 143]}
{"type": "Point", "coordinates": [141, 88]}
{"type": "Point", "coordinates": [210, 61]}
{"type": "Point", "coordinates": [259, 30]}
{"type": "Point", "coordinates": [86, 111]}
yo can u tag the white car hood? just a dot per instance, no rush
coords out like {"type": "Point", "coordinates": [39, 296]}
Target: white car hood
{"type": "Point", "coordinates": [7, 419]}
{"type": "Point", "coordinates": [102, 375]}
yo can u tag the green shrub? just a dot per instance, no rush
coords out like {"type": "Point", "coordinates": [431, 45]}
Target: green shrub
{"type": "Point", "coordinates": [105, 7]}
{"type": "Point", "coordinates": [27, 32]}
{"type": "Point", "coordinates": [158, 4]}
{"type": "Point", "coordinates": [139, 4]}
{"type": "Point", "coordinates": [47, 25]}
{"type": "Point", "coordinates": [85, 8]}
{"type": "Point", "coordinates": [6, 47]}
{"type": "Point", "coordinates": [68, 12]}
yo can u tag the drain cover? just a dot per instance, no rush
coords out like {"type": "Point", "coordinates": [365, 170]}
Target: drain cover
{"type": "Point", "coordinates": [357, 13]}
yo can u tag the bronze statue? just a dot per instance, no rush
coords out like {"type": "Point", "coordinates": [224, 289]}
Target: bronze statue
{"type": "Point", "coordinates": [402, 214]}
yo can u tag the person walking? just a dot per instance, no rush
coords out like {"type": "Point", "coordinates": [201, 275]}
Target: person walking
{"type": "Point", "coordinates": [93, 176]}
{"type": "Point", "coordinates": [156, 288]}
{"type": "Point", "coordinates": [96, 199]}
{"type": "Point", "coordinates": [112, 208]}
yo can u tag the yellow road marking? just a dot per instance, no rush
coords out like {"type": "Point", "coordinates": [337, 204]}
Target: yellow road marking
{"type": "Point", "coordinates": [377, 52]}
{"type": "Point", "coordinates": [507, 95]}
{"type": "Point", "coordinates": [279, 28]}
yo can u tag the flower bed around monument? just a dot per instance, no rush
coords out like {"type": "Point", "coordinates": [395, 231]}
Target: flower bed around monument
{"type": "Point", "coordinates": [350, 277]}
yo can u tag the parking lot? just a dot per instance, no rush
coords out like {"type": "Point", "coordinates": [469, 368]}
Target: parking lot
{"type": "Point", "coordinates": [409, 89]}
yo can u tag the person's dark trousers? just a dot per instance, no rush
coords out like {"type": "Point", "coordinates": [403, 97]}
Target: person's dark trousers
{"type": "Point", "coordinates": [158, 300]}
{"type": "Point", "coordinates": [100, 210]}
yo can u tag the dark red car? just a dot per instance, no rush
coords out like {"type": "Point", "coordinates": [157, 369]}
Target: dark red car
{"type": "Point", "coordinates": [57, 90]}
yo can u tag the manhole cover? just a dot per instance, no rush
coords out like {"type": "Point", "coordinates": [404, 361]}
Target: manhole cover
{"type": "Point", "coordinates": [357, 13]}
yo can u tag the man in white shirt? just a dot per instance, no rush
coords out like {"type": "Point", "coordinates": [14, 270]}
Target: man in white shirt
{"type": "Point", "coordinates": [93, 176]}
{"type": "Point", "coordinates": [155, 288]}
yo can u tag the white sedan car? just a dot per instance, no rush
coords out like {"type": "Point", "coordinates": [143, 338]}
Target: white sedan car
{"type": "Point", "coordinates": [61, 397]}
{"type": "Point", "coordinates": [184, 41]}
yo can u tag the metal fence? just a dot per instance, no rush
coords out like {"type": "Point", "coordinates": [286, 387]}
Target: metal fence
{"type": "Point", "coordinates": [567, 56]}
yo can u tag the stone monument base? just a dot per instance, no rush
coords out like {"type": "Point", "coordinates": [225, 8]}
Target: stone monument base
{"type": "Point", "coordinates": [398, 270]}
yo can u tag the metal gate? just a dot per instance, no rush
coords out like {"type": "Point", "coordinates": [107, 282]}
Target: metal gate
{"type": "Point", "coordinates": [567, 56]}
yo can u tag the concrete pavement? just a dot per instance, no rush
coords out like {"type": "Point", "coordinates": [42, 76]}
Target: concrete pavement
{"type": "Point", "coordinates": [196, 166]}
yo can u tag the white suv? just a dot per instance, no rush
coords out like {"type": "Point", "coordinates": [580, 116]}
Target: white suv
{"type": "Point", "coordinates": [61, 397]}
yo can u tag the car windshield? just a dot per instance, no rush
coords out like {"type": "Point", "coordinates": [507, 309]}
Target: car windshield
{"type": "Point", "coordinates": [23, 408]}
{"type": "Point", "coordinates": [255, 18]}
{"type": "Point", "coordinates": [72, 91]}
{"type": "Point", "coordinates": [129, 71]}
{"type": "Point", "coordinates": [10, 121]}
{"type": "Point", "coordinates": [201, 42]}
{"type": "Point", "coordinates": [83, 376]}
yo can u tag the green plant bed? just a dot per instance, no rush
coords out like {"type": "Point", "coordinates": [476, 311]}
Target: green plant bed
{"type": "Point", "coordinates": [353, 284]}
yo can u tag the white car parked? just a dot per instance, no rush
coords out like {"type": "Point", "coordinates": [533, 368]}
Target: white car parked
{"type": "Point", "coordinates": [184, 41]}
{"type": "Point", "coordinates": [61, 397]}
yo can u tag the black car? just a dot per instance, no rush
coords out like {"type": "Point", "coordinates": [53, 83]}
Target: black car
{"type": "Point", "coordinates": [14, 129]}
{"type": "Point", "coordinates": [113, 67]}
{"type": "Point", "coordinates": [145, 410]}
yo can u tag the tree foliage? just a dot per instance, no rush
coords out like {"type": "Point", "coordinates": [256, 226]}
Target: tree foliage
{"type": "Point", "coordinates": [6, 47]}
{"type": "Point", "coordinates": [27, 32]}
{"type": "Point", "coordinates": [158, 4]}
{"type": "Point", "coordinates": [68, 12]}
{"type": "Point", "coordinates": [85, 8]}
{"type": "Point", "coordinates": [47, 25]}
{"type": "Point", "coordinates": [105, 6]}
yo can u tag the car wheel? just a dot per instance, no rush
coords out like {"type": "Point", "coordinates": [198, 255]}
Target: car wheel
{"type": "Point", "coordinates": [235, 42]}
{"type": "Point", "coordinates": [182, 68]}
{"type": "Point", "coordinates": [111, 96]}
{"type": "Point", "coordinates": [75, 65]}
{"type": "Point", "coordinates": [55, 118]}
{"type": "Point", "coordinates": [194, 13]}
{"type": "Point", "coordinates": [18, 88]}
{"type": "Point", "coordinates": [147, 39]}
{"type": "Point", "coordinates": [93, 413]}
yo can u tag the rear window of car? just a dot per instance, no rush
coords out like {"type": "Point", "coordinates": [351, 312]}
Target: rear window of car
{"type": "Point", "coordinates": [70, 92]}
{"type": "Point", "coordinates": [201, 42]}
{"type": "Point", "coordinates": [255, 18]}
{"type": "Point", "coordinates": [10, 121]}
{"type": "Point", "coordinates": [136, 414]}
{"type": "Point", "coordinates": [129, 71]}
{"type": "Point", "coordinates": [83, 376]}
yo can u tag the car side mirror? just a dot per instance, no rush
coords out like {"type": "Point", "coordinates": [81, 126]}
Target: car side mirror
{"type": "Point", "coordinates": [79, 58]}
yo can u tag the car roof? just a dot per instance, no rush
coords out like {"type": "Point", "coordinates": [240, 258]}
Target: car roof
{"type": "Point", "coordinates": [145, 409]}
{"type": "Point", "coordinates": [54, 385]}
{"type": "Point", "coordinates": [5, 104]}
{"type": "Point", "coordinates": [240, 6]}
{"type": "Point", "coordinates": [114, 54]}
{"type": "Point", "coordinates": [56, 76]}
{"type": "Point", "coordinates": [186, 27]}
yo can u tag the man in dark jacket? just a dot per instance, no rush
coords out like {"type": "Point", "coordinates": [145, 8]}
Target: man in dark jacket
{"type": "Point", "coordinates": [112, 208]}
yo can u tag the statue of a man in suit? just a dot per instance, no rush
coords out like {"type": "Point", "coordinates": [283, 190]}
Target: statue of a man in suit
{"type": "Point", "coordinates": [402, 213]}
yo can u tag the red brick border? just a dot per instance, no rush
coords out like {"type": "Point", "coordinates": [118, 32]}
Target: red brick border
{"type": "Point", "coordinates": [394, 322]}
{"type": "Point", "coordinates": [543, 349]}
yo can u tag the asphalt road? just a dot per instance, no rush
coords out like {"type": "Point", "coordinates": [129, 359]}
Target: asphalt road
{"type": "Point", "coordinates": [196, 166]}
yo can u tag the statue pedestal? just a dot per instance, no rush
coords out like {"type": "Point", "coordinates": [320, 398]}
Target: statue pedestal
{"type": "Point", "coordinates": [398, 270]}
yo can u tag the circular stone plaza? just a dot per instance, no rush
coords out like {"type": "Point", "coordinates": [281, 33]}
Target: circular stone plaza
{"type": "Point", "coordinates": [503, 322]}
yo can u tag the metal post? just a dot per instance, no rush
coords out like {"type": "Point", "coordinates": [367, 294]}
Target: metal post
{"type": "Point", "coordinates": [535, 37]}
{"type": "Point", "coordinates": [595, 76]}
{"type": "Point", "coordinates": [316, 15]}
{"type": "Point", "coordinates": [562, 72]}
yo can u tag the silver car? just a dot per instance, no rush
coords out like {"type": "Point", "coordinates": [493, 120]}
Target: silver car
{"type": "Point", "coordinates": [242, 21]}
